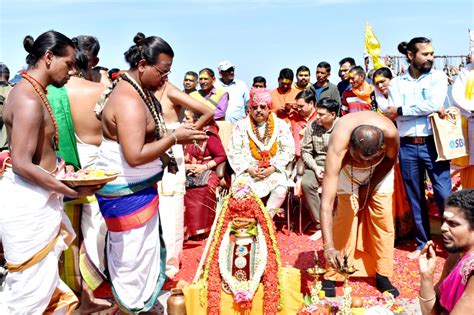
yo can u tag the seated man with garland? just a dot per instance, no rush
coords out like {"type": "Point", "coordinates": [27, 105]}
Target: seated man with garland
{"type": "Point", "coordinates": [260, 149]}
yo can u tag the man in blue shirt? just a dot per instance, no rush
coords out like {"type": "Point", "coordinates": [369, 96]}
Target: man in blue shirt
{"type": "Point", "coordinates": [413, 97]}
{"type": "Point", "coordinates": [238, 92]}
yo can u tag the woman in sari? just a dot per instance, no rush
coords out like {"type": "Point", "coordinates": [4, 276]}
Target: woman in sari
{"type": "Point", "coordinates": [401, 207]}
{"type": "Point", "coordinates": [201, 160]}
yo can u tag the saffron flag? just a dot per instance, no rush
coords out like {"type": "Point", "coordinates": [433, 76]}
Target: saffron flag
{"type": "Point", "coordinates": [372, 46]}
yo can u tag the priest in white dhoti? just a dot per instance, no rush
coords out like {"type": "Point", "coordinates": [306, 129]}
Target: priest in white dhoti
{"type": "Point", "coordinates": [261, 147]}
{"type": "Point", "coordinates": [135, 143]}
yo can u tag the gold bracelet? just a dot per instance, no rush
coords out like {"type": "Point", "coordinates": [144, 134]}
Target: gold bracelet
{"type": "Point", "coordinates": [422, 299]}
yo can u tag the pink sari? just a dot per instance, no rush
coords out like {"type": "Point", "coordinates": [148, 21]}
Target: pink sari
{"type": "Point", "coordinates": [453, 286]}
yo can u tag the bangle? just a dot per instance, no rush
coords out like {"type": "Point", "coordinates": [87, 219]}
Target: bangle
{"type": "Point", "coordinates": [174, 137]}
{"type": "Point", "coordinates": [422, 299]}
{"type": "Point", "coordinates": [207, 166]}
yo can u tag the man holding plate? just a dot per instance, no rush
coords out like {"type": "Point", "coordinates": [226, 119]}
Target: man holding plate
{"type": "Point", "coordinates": [33, 228]}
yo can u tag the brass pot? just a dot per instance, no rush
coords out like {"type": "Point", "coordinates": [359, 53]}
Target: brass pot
{"type": "Point", "coordinates": [175, 304]}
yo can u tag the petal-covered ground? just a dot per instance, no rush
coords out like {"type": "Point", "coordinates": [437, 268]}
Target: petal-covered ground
{"type": "Point", "coordinates": [298, 251]}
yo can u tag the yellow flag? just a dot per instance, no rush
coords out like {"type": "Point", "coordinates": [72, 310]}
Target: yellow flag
{"type": "Point", "coordinates": [372, 46]}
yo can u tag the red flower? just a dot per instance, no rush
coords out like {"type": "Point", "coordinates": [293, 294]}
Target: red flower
{"type": "Point", "coordinates": [265, 155]}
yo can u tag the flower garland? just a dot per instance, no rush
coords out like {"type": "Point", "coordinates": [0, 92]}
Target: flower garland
{"type": "Point", "coordinates": [203, 293]}
{"type": "Point", "coordinates": [243, 291]}
{"type": "Point", "coordinates": [275, 252]}
{"type": "Point", "coordinates": [258, 146]}
{"type": "Point", "coordinates": [249, 205]}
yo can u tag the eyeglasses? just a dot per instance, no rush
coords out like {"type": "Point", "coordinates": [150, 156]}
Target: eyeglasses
{"type": "Point", "coordinates": [255, 107]}
{"type": "Point", "coordinates": [163, 74]}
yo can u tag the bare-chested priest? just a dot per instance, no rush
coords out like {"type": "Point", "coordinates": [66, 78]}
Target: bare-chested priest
{"type": "Point", "coordinates": [359, 170]}
{"type": "Point", "coordinates": [80, 130]}
{"type": "Point", "coordinates": [33, 227]}
{"type": "Point", "coordinates": [136, 143]}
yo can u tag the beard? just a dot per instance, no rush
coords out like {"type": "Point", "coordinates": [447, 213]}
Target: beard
{"type": "Point", "coordinates": [454, 249]}
{"type": "Point", "coordinates": [424, 67]}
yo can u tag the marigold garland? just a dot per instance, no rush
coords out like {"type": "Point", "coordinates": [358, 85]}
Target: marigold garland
{"type": "Point", "coordinates": [251, 206]}
{"type": "Point", "coordinates": [262, 155]}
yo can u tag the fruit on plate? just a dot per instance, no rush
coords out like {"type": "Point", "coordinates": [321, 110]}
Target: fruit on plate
{"type": "Point", "coordinates": [88, 174]}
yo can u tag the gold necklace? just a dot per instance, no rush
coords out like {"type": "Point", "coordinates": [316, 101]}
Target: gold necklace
{"type": "Point", "coordinates": [40, 91]}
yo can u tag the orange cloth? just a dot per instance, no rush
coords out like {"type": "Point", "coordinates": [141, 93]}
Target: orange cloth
{"type": "Point", "coordinates": [279, 101]}
{"type": "Point", "coordinates": [401, 208]}
{"type": "Point", "coordinates": [292, 299]}
{"type": "Point", "coordinates": [366, 237]}
{"type": "Point", "coordinates": [467, 177]}
{"type": "Point", "coordinates": [365, 93]}
{"type": "Point", "coordinates": [62, 302]}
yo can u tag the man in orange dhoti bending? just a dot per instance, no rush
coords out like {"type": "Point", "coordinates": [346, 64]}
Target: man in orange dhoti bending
{"type": "Point", "coordinates": [359, 170]}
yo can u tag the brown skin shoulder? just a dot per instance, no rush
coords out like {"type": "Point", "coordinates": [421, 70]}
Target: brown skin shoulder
{"type": "Point", "coordinates": [169, 93]}
{"type": "Point", "coordinates": [30, 144]}
{"type": "Point", "coordinates": [83, 96]}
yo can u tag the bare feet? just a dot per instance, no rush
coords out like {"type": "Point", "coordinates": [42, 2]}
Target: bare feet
{"type": "Point", "coordinates": [414, 254]}
{"type": "Point", "coordinates": [316, 236]}
{"type": "Point", "coordinates": [94, 306]}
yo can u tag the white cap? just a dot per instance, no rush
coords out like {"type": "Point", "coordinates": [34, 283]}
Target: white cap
{"type": "Point", "coordinates": [225, 65]}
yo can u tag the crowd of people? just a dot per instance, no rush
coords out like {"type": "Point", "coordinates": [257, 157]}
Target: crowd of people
{"type": "Point", "coordinates": [365, 146]}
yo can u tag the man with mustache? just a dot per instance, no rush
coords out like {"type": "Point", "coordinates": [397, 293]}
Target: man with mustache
{"type": "Point", "coordinates": [283, 97]}
{"type": "Point", "coordinates": [213, 96]}
{"type": "Point", "coordinates": [415, 95]}
{"type": "Point", "coordinates": [455, 290]}
{"type": "Point", "coordinates": [303, 114]}
{"type": "Point", "coordinates": [303, 74]}
{"type": "Point", "coordinates": [260, 149]}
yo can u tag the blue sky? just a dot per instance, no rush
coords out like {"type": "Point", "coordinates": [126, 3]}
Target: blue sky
{"type": "Point", "coordinates": [259, 36]}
